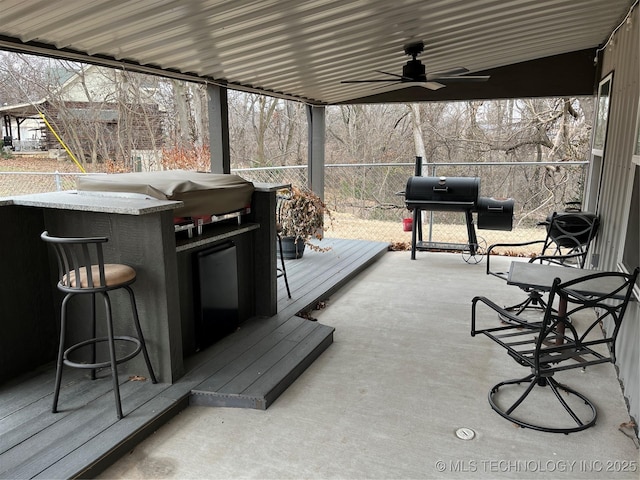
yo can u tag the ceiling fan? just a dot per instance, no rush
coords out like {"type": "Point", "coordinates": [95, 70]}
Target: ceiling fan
{"type": "Point", "coordinates": [414, 73]}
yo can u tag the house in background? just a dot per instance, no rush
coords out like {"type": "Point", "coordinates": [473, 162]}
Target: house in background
{"type": "Point", "coordinates": [99, 113]}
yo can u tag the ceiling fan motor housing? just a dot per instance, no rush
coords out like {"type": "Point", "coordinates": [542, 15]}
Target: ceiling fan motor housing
{"type": "Point", "coordinates": [414, 71]}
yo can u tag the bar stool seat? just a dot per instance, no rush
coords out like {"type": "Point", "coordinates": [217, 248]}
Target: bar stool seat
{"type": "Point", "coordinates": [82, 271]}
{"type": "Point", "coordinates": [115, 274]}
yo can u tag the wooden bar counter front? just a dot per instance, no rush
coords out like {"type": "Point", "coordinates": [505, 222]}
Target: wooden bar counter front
{"type": "Point", "coordinates": [141, 234]}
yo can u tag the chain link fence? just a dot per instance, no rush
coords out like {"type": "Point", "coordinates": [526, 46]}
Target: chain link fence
{"type": "Point", "coordinates": [366, 200]}
{"type": "Point", "coordinates": [21, 183]}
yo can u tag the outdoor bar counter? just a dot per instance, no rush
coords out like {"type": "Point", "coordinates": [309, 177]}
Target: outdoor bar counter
{"type": "Point", "coordinates": [141, 234]}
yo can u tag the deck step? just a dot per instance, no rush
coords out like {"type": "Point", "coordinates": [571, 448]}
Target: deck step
{"type": "Point", "coordinates": [257, 377]}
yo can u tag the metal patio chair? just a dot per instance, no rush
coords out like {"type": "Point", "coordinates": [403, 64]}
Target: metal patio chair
{"type": "Point", "coordinates": [558, 345]}
{"type": "Point", "coordinates": [569, 236]}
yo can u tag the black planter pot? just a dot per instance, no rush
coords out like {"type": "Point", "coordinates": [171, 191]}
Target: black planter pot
{"type": "Point", "coordinates": [292, 248]}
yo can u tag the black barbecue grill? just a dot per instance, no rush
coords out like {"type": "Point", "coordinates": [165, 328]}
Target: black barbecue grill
{"type": "Point", "coordinates": [455, 194]}
{"type": "Point", "coordinates": [450, 194]}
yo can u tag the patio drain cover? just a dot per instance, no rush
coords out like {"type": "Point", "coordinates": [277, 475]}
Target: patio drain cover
{"type": "Point", "coordinates": [465, 433]}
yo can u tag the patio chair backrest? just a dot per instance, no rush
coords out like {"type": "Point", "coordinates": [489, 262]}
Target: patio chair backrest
{"type": "Point", "coordinates": [605, 308]}
{"type": "Point", "coordinates": [569, 235]}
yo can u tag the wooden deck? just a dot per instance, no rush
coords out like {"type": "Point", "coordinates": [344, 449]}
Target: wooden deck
{"type": "Point", "coordinates": [249, 368]}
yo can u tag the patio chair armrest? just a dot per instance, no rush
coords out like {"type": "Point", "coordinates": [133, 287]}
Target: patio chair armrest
{"type": "Point", "coordinates": [556, 259]}
{"type": "Point", "coordinates": [503, 275]}
{"type": "Point", "coordinates": [501, 311]}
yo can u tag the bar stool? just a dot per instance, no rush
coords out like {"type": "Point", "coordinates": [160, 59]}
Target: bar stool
{"type": "Point", "coordinates": [82, 271]}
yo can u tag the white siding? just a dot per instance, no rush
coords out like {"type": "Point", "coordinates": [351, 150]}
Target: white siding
{"type": "Point", "coordinates": [622, 59]}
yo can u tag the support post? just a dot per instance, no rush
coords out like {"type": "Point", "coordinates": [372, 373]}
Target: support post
{"type": "Point", "coordinates": [315, 159]}
{"type": "Point", "coordinates": [218, 129]}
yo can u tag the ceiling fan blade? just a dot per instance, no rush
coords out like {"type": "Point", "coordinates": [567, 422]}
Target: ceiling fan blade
{"type": "Point", "coordinates": [387, 73]}
{"type": "Point", "coordinates": [399, 85]}
{"type": "Point", "coordinates": [447, 73]}
{"type": "Point", "coordinates": [433, 85]}
{"type": "Point", "coordinates": [388, 87]}
{"type": "Point", "coordinates": [429, 85]}
{"type": "Point", "coordinates": [378, 79]}
{"type": "Point", "coordinates": [387, 80]}
{"type": "Point", "coordinates": [463, 79]}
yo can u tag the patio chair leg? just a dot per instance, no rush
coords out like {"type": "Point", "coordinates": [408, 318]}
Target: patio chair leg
{"type": "Point", "coordinates": [533, 302]}
{"type": "Point", "coordinates": [557, 389]}
{"type": "Point", "coordinates": [553, 385]}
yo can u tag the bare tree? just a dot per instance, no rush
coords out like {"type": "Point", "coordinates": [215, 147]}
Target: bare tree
{"type": "Point", "coordinates": [418, 136]}
{"type": "Point", "coordinates": [113, 114]}
{"type": "Point", "coordinates": [266, 131]}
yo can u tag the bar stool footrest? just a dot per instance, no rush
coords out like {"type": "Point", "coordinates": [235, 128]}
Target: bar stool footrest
{"type": "Point", "coordinates": [92, 341]}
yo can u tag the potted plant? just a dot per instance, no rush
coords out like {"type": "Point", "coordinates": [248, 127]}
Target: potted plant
{"type": "Point", "coordinates": [300, 217]}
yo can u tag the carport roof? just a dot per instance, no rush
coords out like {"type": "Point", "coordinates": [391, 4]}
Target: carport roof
{"type": "Point", "coordinates": [303, 49]}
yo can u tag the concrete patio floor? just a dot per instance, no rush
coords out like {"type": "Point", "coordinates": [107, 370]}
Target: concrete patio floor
{"type": "Point", "coordinates": [385, 400]}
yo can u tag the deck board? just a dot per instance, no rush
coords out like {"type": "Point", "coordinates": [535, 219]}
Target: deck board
{"type": "Point", "coordinates": [101, 450]}
{"type": "Point", "coordinates": [231, 370]}
{"type": "Point", "coordinates": [270, 386]}
{"type": "Point", "coordinates": [71, 431]}
{"type": "Point", "coordinates": [249, 368]}
{"type": "Point", "coordinates": [317, 278]}
{"type": "Point", "coordinates": [262, 363]}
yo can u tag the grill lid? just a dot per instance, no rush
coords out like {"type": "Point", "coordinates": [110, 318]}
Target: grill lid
{"type": "Point", "coordinates": [442, 193]}
{"type": "Point", "coordinates": [495, 214]}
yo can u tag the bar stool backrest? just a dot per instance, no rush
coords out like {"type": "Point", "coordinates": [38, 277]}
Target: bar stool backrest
{"type": "Point", "coordinates": [79, 258]}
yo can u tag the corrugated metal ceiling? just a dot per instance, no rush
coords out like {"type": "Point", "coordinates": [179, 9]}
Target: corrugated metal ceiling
{"type": "Point", "coordinates": [304, 49]}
